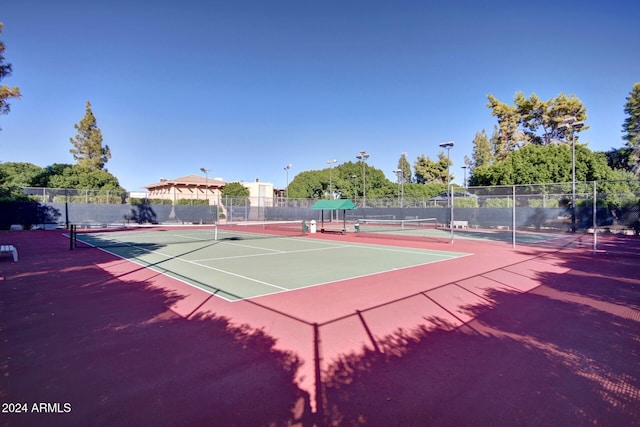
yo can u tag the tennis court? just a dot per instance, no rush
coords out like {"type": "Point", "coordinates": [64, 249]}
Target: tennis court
{"type": "Point", "coordinates": [236, 263]}
{"type": "Point", "coordinates": [429, 228]}
{"type": "Point", "coordinates": [508, 324]}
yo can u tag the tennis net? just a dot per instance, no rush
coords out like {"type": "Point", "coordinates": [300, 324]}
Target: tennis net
{"type": "Point", "coordinates": [419, 227]}
{"type": "Point", "coordinates": [155, 236]}
{"type": "Point", "coordinates": [248, 230]}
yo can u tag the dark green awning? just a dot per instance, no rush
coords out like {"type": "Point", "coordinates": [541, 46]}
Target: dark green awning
{"type": "Point", "coordinates": [333, 205]}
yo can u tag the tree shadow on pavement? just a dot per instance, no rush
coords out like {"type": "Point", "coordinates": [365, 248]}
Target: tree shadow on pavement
{"type": "Point", "coordinates": [565, 353]}
{"type": "Point", "coordinates": [100, 350]}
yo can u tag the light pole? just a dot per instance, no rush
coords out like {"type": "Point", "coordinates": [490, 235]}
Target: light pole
{"type": "Point", "coordinates": [403, 155]}
{"type": "Point", "coordinates": [330, 163]}
{"type": "Point", "coordinates": [286, 168]}
{"type": "Point", "coordinates": [400, 174]}
{"type": "Point", "coordinates": [464, 183]}
{"type": "Point", "coordinates": [448, 146]}
{"type": "Point", "coordinates": [206, 182]}
{"type": "Point", "coordinates": [355, 188]}
{"type": "Point", "coordinates": [571, 123]}
{"type": "Point", "coordinates": [363, 156]}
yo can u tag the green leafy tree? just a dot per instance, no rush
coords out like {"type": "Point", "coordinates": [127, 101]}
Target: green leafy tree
{"type": "Point", "coordinates": [377, 183]}
{"type": "Point", "coordinates": [346, 179]}
{"type": "Point", "coordinates": [429, 171]}
{"type": "Point", "coordinates": [87, 149]}
{"type": "Point", "coordinates": [534, 113]}
{"type": "Point", "coordinates": [308, 184]}
{"type": "Point", "coordinates": [6, 92]}
{"type": "Point", "coordinates": [561, 107]}
{"type": "Point", "coordinates": [509, 136]}
{"type": "Point", "coordinates": [532, 120]}
{"type": "Point", "coordinates": [19, 174]}
{"type": "Point", "coordinates": [58, 175]}
{"type": "Point", "coordinates": [482, 153]}
{"type": "Point", "coordinates": [494, 141]}
{"type": "Point", "coordinates": [618, 158]}
{"type": "Point", "coordinates": [82, 177]}
{"type": "Point", "coordinates": [349, 179]}
{"type": "Point", "coordinates": [444, 166]}
{"type": "Point", "coordinates": [423, 191]}
{"type": "Point", "coordinates": [12, 194]}
{"type": "Point", "coordinates": [631, 129]}
{"type": "Point", "coordinates": [537, 164]}
{"type": "Point", "coordinates": [235, 189]}
{"type": "Point", "coordinates": [426, 170]}
{"type": "Point", "coordinates": [539, 120]}
{"type": "Point", "coordinates": [43, 179]}
{"type": "Point", "coordinates": [14, 176]}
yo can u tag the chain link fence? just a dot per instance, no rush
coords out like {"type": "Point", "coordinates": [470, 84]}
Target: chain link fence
{"type": "Point", "coordinates": [585, 207]}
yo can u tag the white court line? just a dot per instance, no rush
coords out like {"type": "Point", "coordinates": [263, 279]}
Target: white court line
{"type": "Point", "coordinates": [461, 255]}
{"type": "Point", "coordinates": [209, 239]}
{"type": "Point", "coordinates": [416, 252]}
{"type": "Point", "coordinates": [328, 246]}
{"type": "Point", "coordinates": [389, 248]}
{"type": "Point", "coordinates": [271, 254]}
{"type": "Point", "coordinates": [167, 272]}
{"type": "Point", "coordinates": [178, 258]}
{"type": "Point", "coordinates": [435, 254]}
{"type": "Point", "coordinates": [252, 247]}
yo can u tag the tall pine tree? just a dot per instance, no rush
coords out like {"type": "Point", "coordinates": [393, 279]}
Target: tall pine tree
{"type": "Point", "coordinates": [405, 167]}
{"type": "Point", "coordinates": [87, 144]}
{"type": "Point", "coordinates": [482, 152]}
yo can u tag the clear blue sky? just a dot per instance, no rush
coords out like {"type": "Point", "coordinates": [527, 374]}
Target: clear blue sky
{"type": "Point", "coordinates": [245, 87]}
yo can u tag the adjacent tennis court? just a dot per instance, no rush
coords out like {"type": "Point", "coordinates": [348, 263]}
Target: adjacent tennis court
{"type": "Point", "coordinates": [237, 263]}
{"type": "Point", "coordinates": [429, 228]}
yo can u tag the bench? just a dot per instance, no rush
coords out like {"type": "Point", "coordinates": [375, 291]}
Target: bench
{"type": "Point", "coordinates": [460, 224]}
{"type": "Point", "coordinates": [5, 249]}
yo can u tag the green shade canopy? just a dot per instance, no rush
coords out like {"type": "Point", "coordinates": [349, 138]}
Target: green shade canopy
{"type": "Point", "coordinates": [333, 205]}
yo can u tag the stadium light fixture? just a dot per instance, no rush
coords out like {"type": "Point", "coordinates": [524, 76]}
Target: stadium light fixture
{"type": "Point", "coordinates": [447, 145]}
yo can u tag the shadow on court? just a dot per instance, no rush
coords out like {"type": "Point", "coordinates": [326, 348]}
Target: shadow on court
{"type": "Point", "coordinates": [99, 350]}
{"type": "Point", "coordinates": [565, 353]}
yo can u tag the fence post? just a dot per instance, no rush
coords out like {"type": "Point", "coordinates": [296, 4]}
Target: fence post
{"type": "Point", "coordinates": [595, 217]}
{"type": "Point", "coordinates": [66, 208]}
{"type": "Point", "coordinates": [513, 215]}
{"type": "Point", "coordinates": [452, 203]}
{"type": "Point", "coordinates": [72, 236]}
